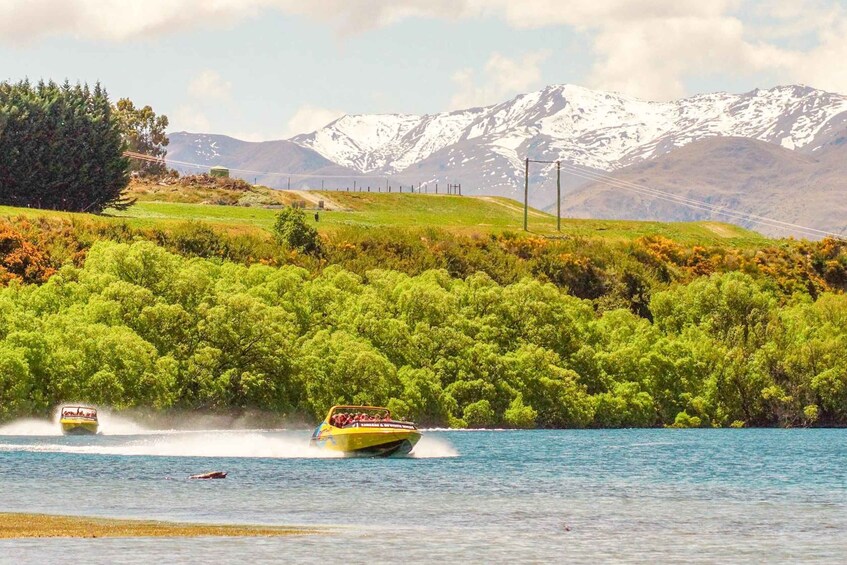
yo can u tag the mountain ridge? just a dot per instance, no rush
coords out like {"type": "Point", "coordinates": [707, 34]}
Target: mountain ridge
{"type": "Point", "coordinates": [484, 148]}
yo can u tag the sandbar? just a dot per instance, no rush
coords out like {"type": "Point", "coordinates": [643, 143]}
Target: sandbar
{"type": "Point", "coordinates": [19, 525]}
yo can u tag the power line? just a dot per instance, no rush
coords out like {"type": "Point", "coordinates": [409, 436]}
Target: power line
{"type": "Point", "coordinates": [152, 159]}
{"type": "Point", "coordinates": [655, 193]}
{"type": "Point", "coordinates": [692, 203]}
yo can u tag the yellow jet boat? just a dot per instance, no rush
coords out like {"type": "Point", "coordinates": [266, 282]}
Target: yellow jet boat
{"type": "Point", "coordinates": [367, 431]}
{"type": "Point", "coordinates": [78, 420]}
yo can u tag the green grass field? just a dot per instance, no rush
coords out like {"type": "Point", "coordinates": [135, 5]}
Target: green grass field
{"type": "Point", "coordinates": [461, 214]}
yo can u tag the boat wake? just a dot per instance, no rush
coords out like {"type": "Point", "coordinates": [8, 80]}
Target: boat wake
{"type": "Point", "coordinates": [110, 424]}
{"type": "Point", "coordinates": [212, 444]}
{"type": "Point", "coordinates": [30, 427]}
{"type": "Point", "coordinates": [433, 448]}
{"type": "Point", "coordinates": [128, 438]}
{"type": "Point", "coordinates": [196, 444]}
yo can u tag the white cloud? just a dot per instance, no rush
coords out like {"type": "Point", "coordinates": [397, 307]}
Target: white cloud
{"type": "Point", "coordinates": [205, 91]}
{"type": "Point", "coordinates": [23, 21]}
{"type": "Point", "coordinates": [120, 20]}
{"type": "Point", "coordinates": [643, 47]}
{"type": "Point", "coordinates": [824, 66]}
{"type": "Point", "coordinates": [652, 58]}
{"type": "Point", "coordinates": [209, 85]}
{"type": "Point", "coordinates": [308, 118]}
{"type": "Point", "coordinates": [502, 77]}
{"type": "Point", "coordinates": [189, 118]}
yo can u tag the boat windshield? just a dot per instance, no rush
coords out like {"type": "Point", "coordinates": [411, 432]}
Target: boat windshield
{"type": "Point", "coordinates": [343, 416]}
{"type": "Point", "coordinates": [85, 412]}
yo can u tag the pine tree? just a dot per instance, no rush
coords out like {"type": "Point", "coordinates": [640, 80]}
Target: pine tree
{"type": "Point", "coordinates": [60, 148]}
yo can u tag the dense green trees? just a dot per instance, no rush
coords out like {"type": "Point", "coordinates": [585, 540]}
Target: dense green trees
{"type": "Point", "coordinates": [60, 148]}
{"type": "Point", "coordinates": [139, 326]}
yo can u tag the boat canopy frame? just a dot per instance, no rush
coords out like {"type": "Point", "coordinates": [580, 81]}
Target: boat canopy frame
{"type": "Point", "coordinates": [357, 408]}
{"type": "Point", "coordinates": [73, 411]}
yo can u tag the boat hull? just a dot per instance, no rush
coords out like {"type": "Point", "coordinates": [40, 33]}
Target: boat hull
{"type": "Point", "coordinates": [364, 442]}
{"type": "Point", "coordinates": [78, 427]}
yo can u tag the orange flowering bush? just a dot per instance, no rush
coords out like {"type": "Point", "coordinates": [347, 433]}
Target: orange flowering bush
{"type": "Point", "coordinates": [21, 260]}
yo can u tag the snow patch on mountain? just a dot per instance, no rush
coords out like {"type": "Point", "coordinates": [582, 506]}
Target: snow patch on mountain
{"type": "Point", "coordinates": [386, 142]}
{"type": "Point", "coordinates": [600, 130]}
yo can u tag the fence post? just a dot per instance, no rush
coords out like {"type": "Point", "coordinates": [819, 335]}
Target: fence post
{"type": "Point", "coordinates": [558, 196]}
{"type": "Point", "coordinates": [526, 195]}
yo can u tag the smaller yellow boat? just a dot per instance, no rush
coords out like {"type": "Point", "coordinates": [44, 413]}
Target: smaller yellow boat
{"type": "Point", "coordinates": [78, 420]}
{"type": "Point", "coordinates": [367, 431]}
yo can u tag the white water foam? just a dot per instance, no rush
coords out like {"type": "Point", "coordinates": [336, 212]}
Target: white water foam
{"type": "Point", "coordinates": [198, 444]}
{"type": "Point", "coordinates": [433, 448]}
{"type": "Point", "coordinates": [237, 444]}
{"type": "Point", "coordinates": [30, 427]}
{"type": "Point", "coordinates": [110, 424]}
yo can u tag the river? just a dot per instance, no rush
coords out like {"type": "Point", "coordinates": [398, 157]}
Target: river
{"type": "Point", "coordinates": [467, 496]}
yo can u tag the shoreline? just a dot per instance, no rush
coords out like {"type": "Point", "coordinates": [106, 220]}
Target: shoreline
{"type": "Point", "coordinates": [16, 525]}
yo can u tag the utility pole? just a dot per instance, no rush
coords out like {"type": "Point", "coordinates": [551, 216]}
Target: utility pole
{"type": "Point", "coordinates": [558, 196]}
{"type": "Point", "coordinates": [289, 183]}
{"type": "Point", "coordinates": [322, 184]}
{"type": "Point", "coordinates": [526, 195]}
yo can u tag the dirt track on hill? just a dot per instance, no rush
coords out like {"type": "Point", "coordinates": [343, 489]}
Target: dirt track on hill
{"type": "Point", "coordinates": [514, 207]}
{"type": "Point", "coordinates": [312, 198]}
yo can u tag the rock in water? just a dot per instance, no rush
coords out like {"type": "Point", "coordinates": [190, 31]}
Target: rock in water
{"type": "Point", "coordinates": [212, 475]}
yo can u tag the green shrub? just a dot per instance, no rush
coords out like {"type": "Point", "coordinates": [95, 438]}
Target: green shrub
{"type": "Point", "coordinates": [518, 415]}
{"type": "Point", "coordinates": [292, 231]}
{"type": "Point", "coordinates": [478, 415]}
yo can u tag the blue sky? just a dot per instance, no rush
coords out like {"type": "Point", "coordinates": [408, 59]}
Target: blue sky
{"type": "Point", "coordinates": [267, 69]}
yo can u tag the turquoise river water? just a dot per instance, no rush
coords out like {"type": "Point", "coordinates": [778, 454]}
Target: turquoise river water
{"type": "Point", "coordinates": [466, 496]}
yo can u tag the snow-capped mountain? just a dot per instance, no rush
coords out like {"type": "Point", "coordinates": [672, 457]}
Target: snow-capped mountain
{"type": "Point", "coordinates": [387, 142]}
{"type": "Point", "coordinates": [484, 149]}
{"type": "Point", "coordinates": [600, 130]}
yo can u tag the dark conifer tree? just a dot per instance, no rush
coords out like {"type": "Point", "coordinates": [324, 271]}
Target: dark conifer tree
{"type": "Point", "coordinates": [60, 148]}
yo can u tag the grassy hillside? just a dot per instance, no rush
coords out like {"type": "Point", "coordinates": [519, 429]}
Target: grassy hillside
{"type": "Point", "coordinates": [246, 208]}
{"type": "Point", "coordinates": [466, 215]}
